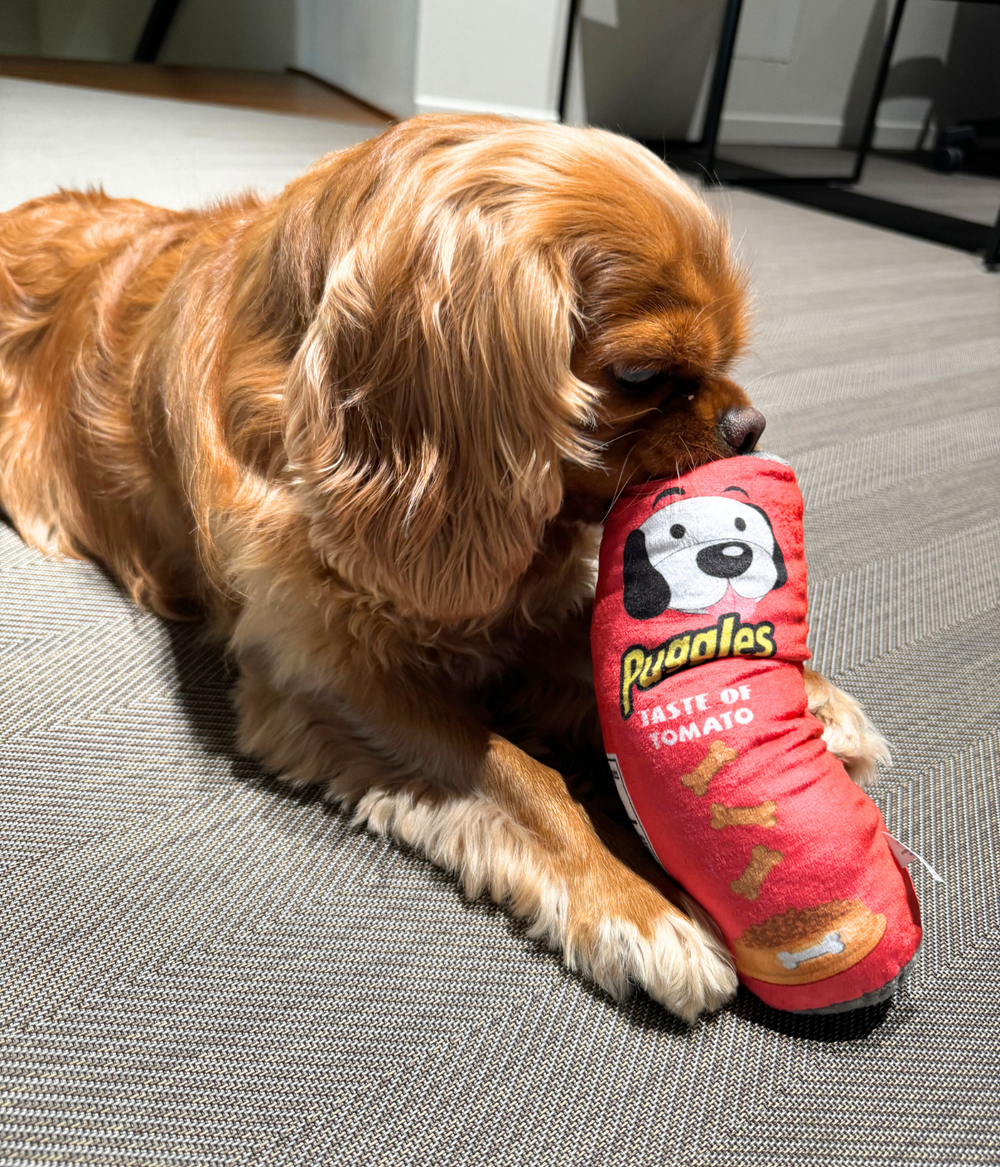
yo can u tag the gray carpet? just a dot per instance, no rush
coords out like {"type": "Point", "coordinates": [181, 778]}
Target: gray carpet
{"type": "Point", "coordinates": [200, 967]}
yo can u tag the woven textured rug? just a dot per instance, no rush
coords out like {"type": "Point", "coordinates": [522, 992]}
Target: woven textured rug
{"type": "Point", "coordinates": [200, 967]}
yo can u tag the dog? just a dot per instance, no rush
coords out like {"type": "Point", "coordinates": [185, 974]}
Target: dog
{"type": "Point", "coordinates": [689, 553]}
{"type": "Point", "coordinates": [369, 429]}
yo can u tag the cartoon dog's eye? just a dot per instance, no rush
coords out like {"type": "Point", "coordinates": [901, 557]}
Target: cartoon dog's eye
{"type": "Point", "coordinates": [677, 531]}
{"type": "Point", "coordinates": [741, 524]}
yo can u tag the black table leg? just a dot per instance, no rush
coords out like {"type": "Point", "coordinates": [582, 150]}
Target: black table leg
{"type": "Point", "coordinates": [992, 256]}
{"type": "Point", "coordinates": [868, 132]}
{"type": "Point", "coordinates": [574, 8]}
{"type": "Point", "coordinates": [720, 80]}
{"type": "Point", "coordinates": [158, 23]}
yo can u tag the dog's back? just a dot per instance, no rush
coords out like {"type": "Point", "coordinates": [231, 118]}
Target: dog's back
{"type": "Point", "coordinates": [76, 475]}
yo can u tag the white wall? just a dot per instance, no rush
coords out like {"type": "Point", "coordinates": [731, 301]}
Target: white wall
{"type": "Point", "coordinates": [642, 66]}
{"type": "Point", "coordinates": [404, 56]}
{"type": "Point", "coordinates": [917, 74]}
{"type": "Point", "coordinates": [491, 55]}
{"type": "Point", "coordinates": [367, 47]}
{"type": "Point", "coordinates": [234, 34]}
{"type": "Point", "coordinates": [19, 33]}
{"type": "Point", "coordinates": [802, 70]}
{"type": "Point", "coordinates": [816, 92]}
{"type": "Point", "coordinates": [91, 30]}
{"type": "Point", "coordinates": [798, 97]}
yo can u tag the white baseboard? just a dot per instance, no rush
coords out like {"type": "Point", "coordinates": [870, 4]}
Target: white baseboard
{"type": "Point", "coordinates": [752, 129]}
{"type": "Point", "coordinates": [897, 135]}
{"type": "Point", "coordinates": [433, 103]}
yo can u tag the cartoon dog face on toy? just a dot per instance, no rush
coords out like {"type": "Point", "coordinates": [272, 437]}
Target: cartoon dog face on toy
{"type": "Point", "coordinates": [689, 552]}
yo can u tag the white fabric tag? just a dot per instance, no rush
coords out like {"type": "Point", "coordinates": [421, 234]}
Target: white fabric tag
{"type": "Point", "coordinates": [623, 794]}
{"type": "Point", "coordinates": [905, 856]}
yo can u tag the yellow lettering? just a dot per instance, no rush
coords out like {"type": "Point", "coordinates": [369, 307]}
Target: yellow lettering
{"type": "Point", "coordinates": [743, 641]}
{"type": "Point", "coordinates": [765, 644]}
{"type": "Point", "coordinates": [652, 673]}
{"type": "Point", "coordinates": [703, 646]}
{"type": "Point", "coordinates": [632, 664]}
{"type": "Point", "coordinates": [677, 653]}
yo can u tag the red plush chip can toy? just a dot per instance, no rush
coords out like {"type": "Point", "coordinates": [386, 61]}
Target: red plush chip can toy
{"type": "Point", "coordinates": [698, 638]}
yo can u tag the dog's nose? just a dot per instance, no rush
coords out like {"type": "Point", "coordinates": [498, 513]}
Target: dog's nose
{"type": "Point", "coordinates": [742, 428]}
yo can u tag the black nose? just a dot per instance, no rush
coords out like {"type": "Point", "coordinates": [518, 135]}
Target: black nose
{"type": "Point", "coordinates": [742, 428]}
{"type": "Point", "coordinates": [724, 560]}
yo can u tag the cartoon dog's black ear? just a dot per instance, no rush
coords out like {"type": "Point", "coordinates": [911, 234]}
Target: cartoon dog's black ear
{"type": "Point", "coordinates": [779, 559]}
{"type": "Point", "coordinates": [647, 593]}
{"type": "Point", "coordinates": [779, 567]}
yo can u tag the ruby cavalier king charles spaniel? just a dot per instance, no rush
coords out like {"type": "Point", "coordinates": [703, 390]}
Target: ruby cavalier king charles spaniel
{"type": "Point", "coordinates": [369, 429]}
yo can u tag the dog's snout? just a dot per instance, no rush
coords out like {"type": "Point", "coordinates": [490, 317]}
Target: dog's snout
{"type": "Point", "coordinates": [725, 560]}
{"type": "Point", "coordinates": [742, 428]}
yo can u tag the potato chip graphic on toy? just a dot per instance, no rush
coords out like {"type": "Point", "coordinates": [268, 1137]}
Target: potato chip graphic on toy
{"type": "Point", "coordinates": [698, 639]}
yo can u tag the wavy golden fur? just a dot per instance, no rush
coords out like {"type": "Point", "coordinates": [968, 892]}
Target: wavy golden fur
{"type": "Point", "coordinates": [369, 428]}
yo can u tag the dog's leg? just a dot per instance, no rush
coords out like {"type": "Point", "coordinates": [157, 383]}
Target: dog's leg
{"type": "Point", "coordinates": [846, 729]}
{"type": "Point", "coordinates": [475, 804]}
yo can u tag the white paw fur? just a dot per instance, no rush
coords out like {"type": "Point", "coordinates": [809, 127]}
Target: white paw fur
{"type": "Point", "coordinates": [682, 966]}
{"type": "Point", "coordinates": [849, 735]}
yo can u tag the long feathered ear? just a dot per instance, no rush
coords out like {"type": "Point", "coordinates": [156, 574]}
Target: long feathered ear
{"type": "Point", "coordinates": [430, 404]}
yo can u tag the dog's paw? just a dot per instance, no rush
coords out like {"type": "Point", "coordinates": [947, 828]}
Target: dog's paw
{"type": "Point", "coordinates": [676, 960]}
{"type": "Point", "coordinates": [610, 925]}
{"type": "Point", "coordinates": [682, 966]}
{"type": "Point", "coordinates": [848, 733]}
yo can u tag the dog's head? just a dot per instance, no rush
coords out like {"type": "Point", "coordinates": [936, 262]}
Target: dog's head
{"type": "Point", "coordinates": [689, 552]}
{"type": "Point", "coordinates": [494, 323]}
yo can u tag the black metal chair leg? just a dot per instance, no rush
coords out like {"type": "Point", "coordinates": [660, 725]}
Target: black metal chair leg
{"type": "Point", "coordinates": [992, 256]}
{"type": "Point", "coordinates": [720, 80]}
{"type": "Point", "coordinates": [158, 23]}
{"type": "Point", "coordinates": [868, 132]}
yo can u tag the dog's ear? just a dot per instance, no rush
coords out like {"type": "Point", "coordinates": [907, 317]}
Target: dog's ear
{"type": "Point", "coordinates": [779, 559]}
{"type": "Point", "coordinates": [647, 593]}
{"type": "Point", "coordinates": [431, 402]}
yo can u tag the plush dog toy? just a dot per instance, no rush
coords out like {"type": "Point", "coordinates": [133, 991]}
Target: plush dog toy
{"type": "Point", "coordinates": [698, 639]}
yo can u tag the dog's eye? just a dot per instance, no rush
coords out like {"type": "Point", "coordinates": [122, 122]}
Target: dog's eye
{"type": "Point", "coordinates": [741, 524]}
{"type": "Point", "coordinates": [634, 381]}
{"type": "Point", "coordinates": [678, 531]}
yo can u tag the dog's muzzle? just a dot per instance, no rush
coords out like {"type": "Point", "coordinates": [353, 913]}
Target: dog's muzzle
{"type": "Point", "coordinates": [725, 560]}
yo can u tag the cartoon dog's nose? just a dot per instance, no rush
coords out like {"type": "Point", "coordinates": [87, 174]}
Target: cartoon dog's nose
{"type": "Point", "coordinates": [725, 560]}
{"type": "Point", "coordinates": [742, 428]}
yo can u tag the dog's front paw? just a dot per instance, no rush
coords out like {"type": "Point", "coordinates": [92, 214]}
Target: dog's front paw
{"type": "Point", "coordinates": [848, 733]}
{"type": "Point", "coordinates": [609, 923]}
{"type": "Point", "coordinates": [648, 942]}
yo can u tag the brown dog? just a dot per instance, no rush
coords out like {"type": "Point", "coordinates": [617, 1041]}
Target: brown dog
{"type": "Point", "coordinates": [370, 427]}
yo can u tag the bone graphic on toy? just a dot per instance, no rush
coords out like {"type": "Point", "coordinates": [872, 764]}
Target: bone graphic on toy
{"type": "Point", "coordinates": [762, 859]}
{"type": "Point", "coordinates": [744, 816]}
{"type": "Point", "coordinates": [719, 755]}
{"type": "Point", "coordinates": [830, 945]}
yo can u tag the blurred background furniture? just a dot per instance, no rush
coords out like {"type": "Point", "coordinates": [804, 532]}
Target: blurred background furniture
{"type": "Point", "coordinates": [833, 179]}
